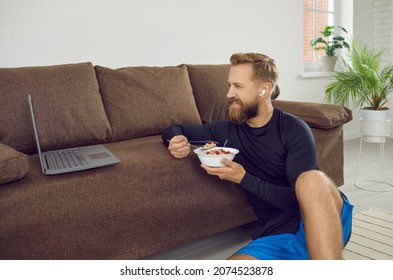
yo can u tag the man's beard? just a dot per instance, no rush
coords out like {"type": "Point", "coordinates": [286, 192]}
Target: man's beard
{"type": "Point", "coordinates": [241, 113]}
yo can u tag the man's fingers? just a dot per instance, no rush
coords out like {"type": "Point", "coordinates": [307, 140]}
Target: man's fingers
{"type": "Point", "coordinates": [179, 155]}
{"type": "Point", "coordinates": [213, 170]}
{"type": "Point", "coordinates": [232, 171]}
{"type": "Point", "coordinates": [227, 162]}
{"type": "Point", "coordinates": [178, 139]}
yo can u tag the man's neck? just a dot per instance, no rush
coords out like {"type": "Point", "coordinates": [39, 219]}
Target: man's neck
{"type": "Point", "coordinates": [263, 117]}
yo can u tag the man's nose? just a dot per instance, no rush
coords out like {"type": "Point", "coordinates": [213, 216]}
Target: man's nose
{"type": "Point", "coordinates": [231, 93]}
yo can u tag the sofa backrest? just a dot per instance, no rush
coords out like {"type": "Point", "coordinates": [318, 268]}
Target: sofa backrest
{"type": "Point", "coordinates": [68, 107]}
{"type": "Point", "coordinates": [79, 104]}
{"type": "Point", "coordinates": [143, 101]}
{"type": "Point", "coordinates": [210, 87]}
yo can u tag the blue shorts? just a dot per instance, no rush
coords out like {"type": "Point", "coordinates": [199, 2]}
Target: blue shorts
{"type": "Point", "coordinates": [290, 246]}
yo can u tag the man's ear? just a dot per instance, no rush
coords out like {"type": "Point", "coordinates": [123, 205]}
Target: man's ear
{"type": "Point", "coordinates": [266, 89]}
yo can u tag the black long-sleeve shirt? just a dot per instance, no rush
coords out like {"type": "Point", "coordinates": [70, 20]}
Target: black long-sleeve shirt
{"type": "Point", "coordinates": [273, 157]}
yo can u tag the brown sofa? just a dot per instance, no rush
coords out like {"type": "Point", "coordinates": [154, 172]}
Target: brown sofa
{"type": "Point", "coordinates": [149, 202]}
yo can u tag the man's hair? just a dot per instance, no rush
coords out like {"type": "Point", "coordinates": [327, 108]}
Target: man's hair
{"type": "Point", "coordinates": [265, 68]}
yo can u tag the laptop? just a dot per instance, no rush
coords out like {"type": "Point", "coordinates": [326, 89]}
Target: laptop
{"type": "Point", "coordinates": [71, 159]}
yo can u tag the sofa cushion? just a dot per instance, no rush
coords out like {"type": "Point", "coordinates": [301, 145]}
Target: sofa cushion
{"type": "Point", "coordinates": [13, 164]}
{"type": "Point", "coordinates": [150, 202]}
{"type": "Point", "coordinates": [67, 103]}
{"type": "Point", "coordinates": [210, 87]}
{"type": "Point", "coordinates": [316, 115]}
{"type": "Point", "coordinates": [143, 101]}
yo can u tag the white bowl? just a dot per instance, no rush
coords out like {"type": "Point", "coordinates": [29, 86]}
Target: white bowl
{"type": "Point", "coordinates": [215, 160]}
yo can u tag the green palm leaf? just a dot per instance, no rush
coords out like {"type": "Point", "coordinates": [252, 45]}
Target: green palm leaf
{"type": "Point", "coordinates": [360, 80]}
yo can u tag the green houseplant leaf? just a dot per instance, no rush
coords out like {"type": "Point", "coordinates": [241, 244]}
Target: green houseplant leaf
{"type": "Point", "coordinates": [361, 80]}
{"type": "Point", "coordinates": [330, 42]}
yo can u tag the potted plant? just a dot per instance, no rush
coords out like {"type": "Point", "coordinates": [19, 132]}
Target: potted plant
{"type": "Point", "coordinates": [329, 43]}
{"type": "Point", "coordinates": [363, 81]}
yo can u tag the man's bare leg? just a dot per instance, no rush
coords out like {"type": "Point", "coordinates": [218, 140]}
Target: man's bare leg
{"type": "Point", "coordinates": [320, 205]}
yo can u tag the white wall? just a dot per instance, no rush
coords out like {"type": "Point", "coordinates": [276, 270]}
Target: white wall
{"type": "Point", "coordinates": [383, 36]}
{"type": "Point", "coordinates": [373, 24]}
{"type": "Point", "coordinates": [121, 33]}
{"type": "Point", "coordinates": [383, 28]}
{"type": "Point", "coordinates": [149, 32]}
{"type": "Point", "coordinates": [362, 28]}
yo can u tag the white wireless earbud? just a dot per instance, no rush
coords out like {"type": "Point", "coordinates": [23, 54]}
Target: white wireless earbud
{"type": "Point", "coordinates": [262, 93]}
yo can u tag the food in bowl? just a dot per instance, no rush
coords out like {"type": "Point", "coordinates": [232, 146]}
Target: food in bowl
{"type": "Point", "coordinates": [218, 152]}
{"type": "Point", "coordinates": [214, 156]}
{"type": "Point", "coordinates": [209, 145]}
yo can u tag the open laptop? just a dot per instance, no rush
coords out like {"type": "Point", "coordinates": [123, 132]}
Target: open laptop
{"type": "Point", "coordinates": [71, 159]}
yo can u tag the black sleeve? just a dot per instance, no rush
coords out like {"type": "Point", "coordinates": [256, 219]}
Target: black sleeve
{"type": "Point", "coordinates": [301, 157]}
{"type": "Point", "coordinates": [214, 131]}
{"type": "Point", "coordinates": [278, 196]}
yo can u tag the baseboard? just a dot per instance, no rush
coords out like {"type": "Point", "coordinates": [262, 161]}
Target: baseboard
{"type": "Point", "coordinates": [217, 247]}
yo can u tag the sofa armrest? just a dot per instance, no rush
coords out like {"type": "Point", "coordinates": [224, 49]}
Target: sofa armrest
{"type": "Point", "coordinates": [316, 115]}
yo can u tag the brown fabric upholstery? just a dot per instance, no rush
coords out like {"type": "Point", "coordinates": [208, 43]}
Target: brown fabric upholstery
{"type": "Point", "coordinates": [68, 107]}
{"type": "Point", "coordinates": [317, 115]}
{"type": "Point", "coordinates": [143, 101]}
{"type": "Point", "coordinates": [210, 87]}
{"type": "Point", "coordinates": [13, 164]}
{"type": "Point", "coordinates": [330, 152]}
{"type": "Point", "coordinates": [149, 202]}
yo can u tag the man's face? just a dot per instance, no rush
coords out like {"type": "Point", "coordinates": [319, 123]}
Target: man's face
{"type": "Point", "coordinates": [243, 93]}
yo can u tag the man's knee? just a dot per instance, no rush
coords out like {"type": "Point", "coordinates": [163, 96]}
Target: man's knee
{"type": "Point", "coordinates": [315, 185]}
{"type": "Point", "coordinates": [313, 182]}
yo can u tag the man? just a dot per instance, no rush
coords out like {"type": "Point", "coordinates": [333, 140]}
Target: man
{"type": "Point", "coordinates": [301, 212]}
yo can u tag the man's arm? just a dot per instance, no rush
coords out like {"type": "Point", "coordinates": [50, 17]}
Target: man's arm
{"type": "Point", "coordinates": [215, 131]}
{"type": "Point", "coordinates": [301, 157]}
{"type": "Point", "coordinates": [177, 137]}
{"type": "Point", "coordinates": [280, 196]}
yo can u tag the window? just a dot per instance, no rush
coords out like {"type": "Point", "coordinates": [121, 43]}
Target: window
{"type": "Point", "coordinates": [317, 14]}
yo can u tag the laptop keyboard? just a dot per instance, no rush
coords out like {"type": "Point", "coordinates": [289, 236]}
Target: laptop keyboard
{"type": "Point", "coordinates": [68, 159]}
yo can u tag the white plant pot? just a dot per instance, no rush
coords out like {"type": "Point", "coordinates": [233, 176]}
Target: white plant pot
{"type": "Point", "coordinates": [328, 63]}
{"type": "Point", "coordinates": [368, 115]}
{"type": "Point", "coordinates": [374, 125]}
{"type": "Point", "coordinates": [374, 132]}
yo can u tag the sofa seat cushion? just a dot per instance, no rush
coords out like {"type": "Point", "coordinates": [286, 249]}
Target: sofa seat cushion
{"type": "Point", "coordinates": [143, 101]}
{"type": "Point", "coordinates": [13, 164]}
{"type": "Point", "coordinates": [149, 202]}
{"type": "Point", "coordinates": [68, 107]}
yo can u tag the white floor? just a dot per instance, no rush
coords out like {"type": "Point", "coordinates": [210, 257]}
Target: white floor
{"type": "Point", "coordinates": [369, 167]}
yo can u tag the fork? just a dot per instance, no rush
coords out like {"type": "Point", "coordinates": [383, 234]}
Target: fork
{"type": "Point", "coordinates": [199, 147]}
{"type": "Point", "coordinates": [202, 142]}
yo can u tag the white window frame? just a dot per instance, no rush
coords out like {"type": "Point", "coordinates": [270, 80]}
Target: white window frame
{"type": "Point", "coordinates": [332, 20]}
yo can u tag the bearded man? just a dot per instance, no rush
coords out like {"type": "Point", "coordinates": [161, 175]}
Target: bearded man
{"type": "Point", "coordinates": [301, 212]}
